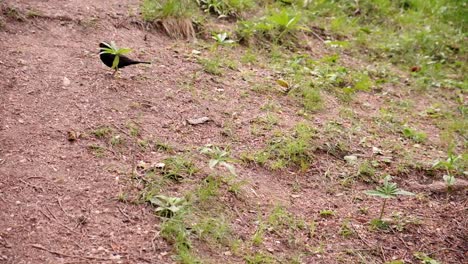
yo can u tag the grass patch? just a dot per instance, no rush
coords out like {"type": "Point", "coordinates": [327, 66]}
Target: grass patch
{"type": "Point", "coordinates": [287, 150]}
{"type": "Point", "coordinates": [172, 16]}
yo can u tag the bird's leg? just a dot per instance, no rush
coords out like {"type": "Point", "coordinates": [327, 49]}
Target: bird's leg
{"type": "Point", "coordinates": [113, 74]}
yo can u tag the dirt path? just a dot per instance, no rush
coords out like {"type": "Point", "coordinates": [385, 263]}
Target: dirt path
{"type": "Point", "coordinates": [53, 193]}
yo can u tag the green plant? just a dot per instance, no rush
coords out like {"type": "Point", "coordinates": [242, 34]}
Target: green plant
{"type": "Point", "coordinates": [327, 213]}
{"type": "Point", "coordinates": [213, 229]}
{"type": "Point", "coordinates": [175, 231]}
{"type": "Point", "coordinates": [212, 66]}
{"type": "Point", "coordinates": [259, 258]}
{"type": "Point", "coordinates": [167, 206]}
{"type": "Point", "coordinates": [160, 9]}
{"type": "Point", "coordinates": [414, 134]}
{"type": "Point", "coordinates": [178, 167]}
{"type": "Point", "coordinates": [346, 229]}
{"type": "Point", "coordinates": [388, 190]}
{"type": "Point", "coordinates": [224, 8]}
{"type": "Point", "coordinates": [425, 259]}
{"type": "Point", "coordinates": [102, 132]}
{"type": "Point", "coordinates": [451, 165]}
{"type": "Point", "coordinates": [285, 150]}
{"type": "Point", "coordinates": [274, 27]}
{"type": "Point", "coordinates": [116, 140]}
{"type": "Point", "coordinates": [208, 188]}
{"type": "Point", "coordinates": [114, 50]}
{"type": "Point", "coordinates": [222, 38]}
{"type": "Point", "coordinates": [449, 181]}
{"type": "Point", "coordinates": [172, 16]}
{"type": "Point", "coordinates": [97, 150]}
{"type": "Point", "coordinates": [218, 157]}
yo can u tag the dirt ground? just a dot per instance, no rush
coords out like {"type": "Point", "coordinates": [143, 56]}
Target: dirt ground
{"type": "Point", "coordinates": [58, 202]}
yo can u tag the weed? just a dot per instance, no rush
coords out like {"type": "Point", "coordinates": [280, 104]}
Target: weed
{"type": "Point", "coordinates": [249, 57]}
{"type": "Point", "coordinates": [143, 143]}
{"type": "Point", "coordinates": [260, 258]}
{"type": "Point", "coordinates": [387, 191]}
{"type": "Point", "coordinates": [167, 206]}
{"type": "Point", "coordinates": [174, 231]}
{"type": "Point", "coordinates": [222, 39]}
{"type": "Point", "coordinates": [346, 229]}
{"type": "Point", "coordinates": [116, 140]}
{"type": "Point", "coordinates": [327, 213]}
{"type": "Point", "coordinates": [208, 188]}
{"type": "Point", "coordinates": [173, 16]}
{"type": "Point", "coordinates": [162, 146]}
{"type": "Point", "coordinates": [218, 157]}
{"type": "Point", "coordinates": [102, 132]}
{"type": "Point", "coordinates": [258, 236]}
{"type": "Point", "coordinates": [178, 167]}
{"type": "Point", "coordinates": [97, 150]}
{"type": "Point", "coordinates": [285, 150]}
{"type": "Point", "coordinates": [413, 134]}
{"type": "Point", "coordinates": [215, 230]}
{"type": "Point", "coordinates": [133, 129]}
{"type": "Point", "coordinates": [223, 8]}
{"type": "Point", "coordinates": [425, 259]}
{"type": "Point", "coordinates": [212, 66]}
{"type": "Point", "coordinates": [274, 27]}
{"type": "Point", "coordinates": [452, 165]}
{"type": "Point", "coordinates": [367, 172]}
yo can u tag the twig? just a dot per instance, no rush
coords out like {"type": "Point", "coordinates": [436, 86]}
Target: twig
{"type": "Point", "coordinates": [60, 205]}
{"type": "Point", "coordinates": [64, 254]}
{"type": "Point", "coordinates": [48, 217]}
{"type": "Point", "coordinates": [48, 210]}
{"type": "Point", "coordinates": [126, 215]}
{"type": "Point", "coordinates": [58, 222]}
{"type": "Point", "coordinates": [359, 236]}
{"type": "Point", "coordinates": [383, 254]}
{"type": "Point", "coordinates": [317, 36]}
{"type": "Point", "coordinates": [404, 243]}
{"type": "Point", "coordinates": [32, 185]}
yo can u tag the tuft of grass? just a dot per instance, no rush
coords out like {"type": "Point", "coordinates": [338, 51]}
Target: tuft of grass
{"type": "Point", "coordinates": [178, 168]}
{"type": "Point", "coordinates": [102, 132]}
{"type": "Point", "coordinates": [172, 16]}
{"type": "Point", "coordinates": [212, 66]}
{"type": "Point", "coordinates": [413, 134]}
{"type": "Point", "coordinates": [225, 8]}
{"type": "Point", "coordinates": [97, 150]}
{"type": "Point", "coordinates": [286, 150]}
{"type": "Point", "coordinates": [279, 26]}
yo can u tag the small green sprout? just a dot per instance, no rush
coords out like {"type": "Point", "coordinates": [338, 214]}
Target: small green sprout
{"type": "Point", "coordinates": [218, 156]}
{"type": "Point", "coordinates": [450, 165]}
{"type": "Point", "coordinates": [387, 191]}
{"type": "Point", "coordinates": [449, 181]}
{"type": "Point", "coordinates": [222, 38]}
{"type": "Point", "coordinates": [114, 50]}
{"type": "Point", "coordinates": [167, 206]}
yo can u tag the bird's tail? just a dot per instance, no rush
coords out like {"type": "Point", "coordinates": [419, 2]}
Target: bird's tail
{"type": "Point", "coordinates": [143, 62]}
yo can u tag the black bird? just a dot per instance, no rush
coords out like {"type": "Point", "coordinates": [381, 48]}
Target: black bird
{"type": "Point", "coordinates": [108, 59]}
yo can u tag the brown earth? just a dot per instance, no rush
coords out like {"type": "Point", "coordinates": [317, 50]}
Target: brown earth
{"type": "Point", "coordinates": [58, 202]}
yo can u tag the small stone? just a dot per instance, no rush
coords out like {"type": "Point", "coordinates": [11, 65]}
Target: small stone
{"type": "Point", "coordinates": [66, 81]}
{"type": "Point", "coordinates": [351, 159]}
